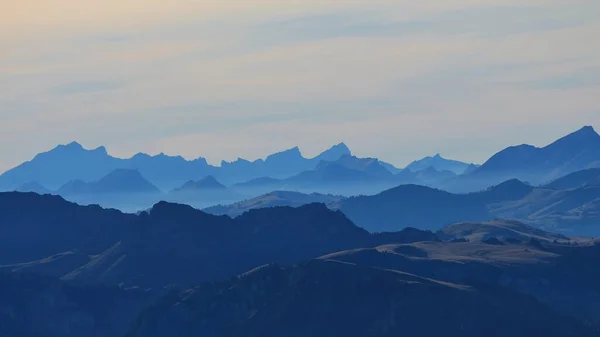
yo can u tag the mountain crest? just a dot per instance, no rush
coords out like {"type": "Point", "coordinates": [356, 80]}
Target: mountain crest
{"type": "Point", "coordinates": [334, 153]}
{"type": "Point", "coordinates": [207, 183]}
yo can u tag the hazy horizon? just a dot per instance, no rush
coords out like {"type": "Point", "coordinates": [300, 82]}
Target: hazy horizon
{"type": "Point", "coordinates": [396, 80]}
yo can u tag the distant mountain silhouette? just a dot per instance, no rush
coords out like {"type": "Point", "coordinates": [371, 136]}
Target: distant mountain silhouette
{"type": "Point", "coordinates": [207, 183]}
{"type": "Point", "coordinates": [334, 153]}
{"type": "Point", "coordinates": [574, 211]}
{"type": "Point", "coordinates": [370, 166]}
{"type": "Point", "coordinates": [346, 176]}
{"type": "Point", "coordinates": [430, 176]}
{"type": "Point", "coordinates": [34, 187]}
{"type": "Point", "coordinates": [439, 164]}
{"type": "Point", "coordinates": [424, 207]}
{"type": "Point", "coordinates": [168, 172]}
{"type": "Point", "coordinates": [124, 189]}
{"type": "Point", "coordinates": [577, 151]}
{"type": "Point", "coordinates": [202, 193]}
{"type": "Point", "coordinates": [119, 181]}
{"type": "Point", "coordinates": [72, 162]}
{"type": "Point", "coordinates": [273, 199]}
{"type": "Point", "coordinates": [279, 165]}
{"type": "Point", "coordinates": [393, 169]}
{"type": "Point", "coordinates": [576, 180]}
{"type": "Point", "coordinates": [471, 168]}
{"type": "Point", "coordinates": [61, 164]}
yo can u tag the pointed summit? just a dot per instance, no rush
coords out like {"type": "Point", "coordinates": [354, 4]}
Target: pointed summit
{"type": "Point", "coordinates": [438, 163]}
{"type": "Point", "coordinates": [207, 183]}
{"type": "Point", "coordinates": [289, 153]}
{"type": "Point", "coordinates": [585, 132]}
{"type": "Point", "coordinates": [584, 137]}
{"type": "Point", "coordinates": [334, 153]}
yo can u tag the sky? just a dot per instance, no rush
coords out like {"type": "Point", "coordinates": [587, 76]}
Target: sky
{"type": "Point", "coordinates": [222, 79]}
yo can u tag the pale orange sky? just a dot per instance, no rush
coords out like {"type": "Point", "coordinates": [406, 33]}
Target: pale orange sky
{"type": "Point", "coordinates": [223, 79]}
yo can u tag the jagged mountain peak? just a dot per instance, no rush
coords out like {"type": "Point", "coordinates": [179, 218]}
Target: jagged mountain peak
{"type": "Point", "coordinates": [334, 153]}
{"type": "Point", "coordinates": [289, 153]}
{"type": "Point", "coordinates": [578, 138]}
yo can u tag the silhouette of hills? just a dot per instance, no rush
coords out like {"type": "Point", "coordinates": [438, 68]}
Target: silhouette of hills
{"type": "Point", "coordinates": [577, 151]}
{"type": "Point", "coordinates": [384, 284]}
{"type": "Point", "coordinates": [118, 181]}
{"type": "Point", "coordinates": [375, 292]}
{"type": "Point", "coordinates": [32, 306]}
{"type": "Point", "coordinates": [505, 231]}
{"type": "Point", "coordinates": [559, 275]}
{"type": "Point", "coordinates": [574, 211]}
{"type": "Point", "coordinates": [439, 164]}
{"type": "Point", "coordinates": [348, 175]}
{"type": "Point", "coordinates": [206, 183]}
{"type": "Point", "coordinates": [34, 187]}
{"type": "Point", "coordinates": [49, 235]}
{"type": "Point", "coordinates": [273, 199]}
{"type": "Point", "coordinates": [412, 205]}
{"type": "Point", "coordinates": [203, 193]}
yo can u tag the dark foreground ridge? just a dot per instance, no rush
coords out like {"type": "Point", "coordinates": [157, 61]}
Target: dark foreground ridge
{"type": "Point", "coordinates": [69, 270]}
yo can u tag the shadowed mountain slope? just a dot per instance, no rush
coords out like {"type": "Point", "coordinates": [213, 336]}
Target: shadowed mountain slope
{"type": "Point", "coordinates": [504, 230]}
{"type": "Point", "coordinates": [33, 306]}
{"type": "Point", "coordinates": [330, 298]}
{"type": "Point", "coordinates": [46, 234]}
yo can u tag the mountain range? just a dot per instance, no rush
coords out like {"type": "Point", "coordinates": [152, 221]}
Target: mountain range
{"type": "Point", "coordinates": [71, 270]}
{"type": "Point", "coordinates": [572, 209]}
{"type": "Point", "coordinates": [577, 151]}
{"type": "Point", "coordinates": [381, 251]}
{"type": "Point", "coordinates": [72, 162]}
{"type": "Point", "coordinates": [324, 173]}
{"type": "Point", "coordinates": [90, 244]}
{"type": "Point", "coordinates": [348, 175]}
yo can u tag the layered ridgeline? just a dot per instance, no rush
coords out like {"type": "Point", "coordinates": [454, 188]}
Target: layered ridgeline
{"type": "Point", "coordinates": [348, 175]}
{"type": "Point", "coordinates": [569, 205]}
{"type": "Point", "coordinates": [70, 270]}
{"type": "Point", "coordinates": [440, 163]}
{"type": "Point", "coordinates": [333, 171]}
{"type": "Point", "coordinates": [539, 282]}
{"type": "Point", "coordinates": [72, 162]}
{"type": "Point", "coordinates": [170, 243]}
{"type": "Point", "coordinates": [577, 151]}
